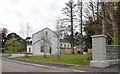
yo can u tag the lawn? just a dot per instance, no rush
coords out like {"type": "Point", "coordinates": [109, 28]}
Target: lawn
{"type": "Point", "coordinates": [76, 59]}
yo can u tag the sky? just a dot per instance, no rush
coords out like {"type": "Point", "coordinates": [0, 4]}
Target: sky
{"type": "Point", "coordinates": [38, 13]}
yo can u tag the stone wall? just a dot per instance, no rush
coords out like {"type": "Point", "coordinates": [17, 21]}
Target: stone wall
{"type": "Point", "coordinates": [103, 55]}
{"type": "Point", "coordinates": [112, 52]}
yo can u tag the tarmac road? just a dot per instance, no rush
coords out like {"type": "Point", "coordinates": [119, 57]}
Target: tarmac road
{"type": "Point", "coordinates": [11, 66]}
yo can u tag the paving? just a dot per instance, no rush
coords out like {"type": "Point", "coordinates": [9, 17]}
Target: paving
{"type": "Point", "coordinates": [113, 68]}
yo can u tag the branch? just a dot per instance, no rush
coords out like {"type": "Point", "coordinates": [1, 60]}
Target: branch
{"type": "Point", "coordinates": [110, 36]}
{"type": "Point", "coordinates": [105, 18]}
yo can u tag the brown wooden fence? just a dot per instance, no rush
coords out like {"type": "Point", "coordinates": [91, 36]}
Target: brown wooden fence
{"type": "Point", "coordinates": [77, 51]}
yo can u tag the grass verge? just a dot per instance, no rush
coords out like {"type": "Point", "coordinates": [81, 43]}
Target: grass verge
{"type": "Point", "coordinates": [76, 59]}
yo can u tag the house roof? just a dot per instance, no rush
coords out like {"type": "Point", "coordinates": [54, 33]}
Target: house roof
{"type": "Point", "coordinates": [44, 29]}
{"type": "Point", "coordinates": [64, 41]}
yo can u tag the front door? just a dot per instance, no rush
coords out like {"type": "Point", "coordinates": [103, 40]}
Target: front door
{"type": "Point", "coordinates": [50, 50]}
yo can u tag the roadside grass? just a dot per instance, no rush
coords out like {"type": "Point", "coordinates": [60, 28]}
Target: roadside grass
{"type": "Point", "coordinates": [75, 59]}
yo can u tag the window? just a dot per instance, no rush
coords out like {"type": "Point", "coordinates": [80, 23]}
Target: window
{"type": "Point", "coordinates": [60, 45]}
{"type": "Point", "coordinates": [42, 49]}
{"type": "Point", "coordinates": [68, 45]}
{"type": "Point", "coordinates": [29, 49]}
{"type": "Point", "coordinates": [64, 46]}
{"type": "Point", "coordinates": [46, 33]}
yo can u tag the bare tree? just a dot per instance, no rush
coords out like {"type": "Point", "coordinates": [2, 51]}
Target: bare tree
{"type": "Point", "coordinates": [22, 30]}
{"type": "Point", "coordinates": [58, 32]}
{"type": "Point", "coordinates": [103, 19]}
{"type": "Point", "coordinates": [25, 30]}
{"type": "Point", "coordinates": [44, 41]}
{"type": "Point", "coordinates": [28, 29]}
{"type": "Point", "coordinates": [110, 9]}
{"type": "Point", "coordinates": [80, 14]}
{"type": "Point", "coordinates": [69, 10]}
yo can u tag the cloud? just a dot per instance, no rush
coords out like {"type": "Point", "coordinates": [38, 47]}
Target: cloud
{"type": "Point", "coordinates": [39, 13]}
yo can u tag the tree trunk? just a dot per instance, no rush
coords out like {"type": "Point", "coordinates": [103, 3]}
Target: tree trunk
{"type": "Point", "coordinates": [114, 24]}
{"type": "Point", "coordinates": [72, 40]}
{"type": "Point", "coordinates": [81, 25]}
{"type": "Point", "coordinates": [103, 20]}
{"type": "Point", "coordinates": [97, 23]}
{"type": "Point", "coordinates": [58, 47]}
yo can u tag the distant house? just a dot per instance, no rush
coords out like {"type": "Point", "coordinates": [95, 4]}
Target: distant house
{"type": "Point", "coordinates": [44, 42]}
{"type": "Point", "coordinates": [64, 44]}
{"type": "Point", "coordinates": [29, 44]}
{"type": "Point", "coordinates": [29, 48]}
{"type": "Point", "coordinates": [77, 47]}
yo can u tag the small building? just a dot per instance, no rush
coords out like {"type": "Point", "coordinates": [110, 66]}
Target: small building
{"type": "Point", "coordinates": [44, 42]}
{"type": "Point", "coordinates": [64, 44]}
{"type": "Point", "coordinates": [29, 44]}
{"type": "Point", "coordinates": [29, 48]}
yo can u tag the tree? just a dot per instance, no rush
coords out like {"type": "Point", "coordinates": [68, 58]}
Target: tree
{"type": "Point", "coordinates": [14, 37]}
{"type": "Point", "coordinates": [44, 41]}
{"type": "Point", "coordinates": [89, 30]}
{"type": "Point", "coordinates": [28, 29]}
{"type": "Point", "coordinates": [69, 11]}
{"type": "Point", "coordinates": [111, 21]}
{"type": "Point", "coordinates": [13, 45]}
{"type": "Point", "coordinates": [25, 30]}
{"type": "Point", "coordinates": [77, 38]}
{"type": "Point", "coordinates": [103, 19]}
{"type": "Point", "coordinates": [108, 20]}
{"type": "Point", "coordinates": [117, 16]}
{"type": "Point", "coordinates": [92, 23]}
{"type": "Point", "coordinates": [80, 14]}
{"type": "Point", "coordinates": [59, 31]}
{"type": "Point", "coordinates": [110, 9]}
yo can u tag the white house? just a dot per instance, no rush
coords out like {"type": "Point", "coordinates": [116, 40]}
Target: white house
{"type": "Point", "coordinates": [64, 44]}
{"type": "Point", "coordinates": [29, 48]}
{"type": "Point", "coordinates": [44, 42]}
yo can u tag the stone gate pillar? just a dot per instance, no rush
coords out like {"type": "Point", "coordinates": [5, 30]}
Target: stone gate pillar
{"type": "Point", "coordinates": [99, 51]}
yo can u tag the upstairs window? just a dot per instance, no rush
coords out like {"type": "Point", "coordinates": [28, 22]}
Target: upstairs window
{"type": "Point", "coordinates": [46, 33]}
{"type": "Point", "coordinates": [42, 49]}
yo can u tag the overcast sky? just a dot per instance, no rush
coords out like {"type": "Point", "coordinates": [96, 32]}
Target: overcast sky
{"type": "Point", "coordinates": [39, 13]}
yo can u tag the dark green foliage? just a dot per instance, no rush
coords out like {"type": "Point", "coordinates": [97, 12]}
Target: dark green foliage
{"type": "Point", "coordinates": [90, 30]}
{"type": "Point", "coordinates": [14, 43]}
{"type": "Point", "coordinates": [118, 21]}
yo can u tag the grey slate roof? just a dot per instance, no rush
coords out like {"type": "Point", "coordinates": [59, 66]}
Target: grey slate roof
{"type": "Point", "coordinates": [64, 41]}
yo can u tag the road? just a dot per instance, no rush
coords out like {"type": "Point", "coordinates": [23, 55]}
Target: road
{"type": "Point", "coordinates": [11, 66]}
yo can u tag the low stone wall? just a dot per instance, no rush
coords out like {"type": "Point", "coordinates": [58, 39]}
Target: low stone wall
{"type": "Point", "coordinates": [112, 52]}
{"type": "Point", "coordinates": [103, 55]}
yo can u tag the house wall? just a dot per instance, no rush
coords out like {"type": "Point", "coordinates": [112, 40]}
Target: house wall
{"type": "Point", "coordinates": [65, 45]}
{"type": "Point", "coordinates": [37, 42]}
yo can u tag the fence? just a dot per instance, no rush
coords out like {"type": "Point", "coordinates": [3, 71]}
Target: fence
{"type": "Point", "coordinates": [77, 51]}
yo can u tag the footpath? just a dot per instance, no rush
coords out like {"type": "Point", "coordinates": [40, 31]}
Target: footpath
{"type": "Point", "coordinates": [113, 68]}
